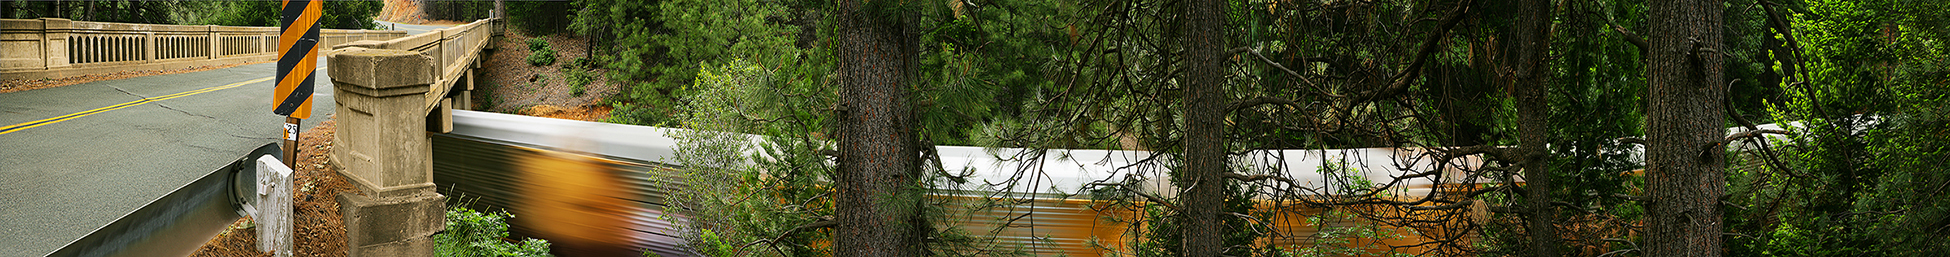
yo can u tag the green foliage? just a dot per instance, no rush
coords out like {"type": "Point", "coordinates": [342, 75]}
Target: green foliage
{"type": "Point", "coordinates": [1162, 234]}
{"type": "Point", "coordinates": [539, 53]}
{"type": "Point", "coordinates": [458, 10]}
{"type": "Point", "coordinates": [1337, 234]}
{"type": "Point", "coordinates": [487, 97]}
{"type": "Point", "coordinates": [242, 13]}
{"type": "Point", "coordinates": [356, 14]}
{"type": "Point", "coordinates": [752, 189]}
{"type": "Point", "coordinates": [982, 66]}
{"type": "Point", "coordinates": [658, 47]}
{"type": "Point", "coordinates": [337, 14]}
{"type": "Point", "coordinates": [472, 233]}
{"type": "Point", "coordinates": [578, 79]}
{"type": "Point", "coordinates": [126, 11]}
{"type": "Point", "coordinates": [1861, 174]}
{"type": "Point", "coordinates": [539, 17]}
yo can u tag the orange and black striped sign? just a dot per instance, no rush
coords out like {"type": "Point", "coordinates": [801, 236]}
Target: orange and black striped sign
{"type": "Point", "coordinates": [297, 57]}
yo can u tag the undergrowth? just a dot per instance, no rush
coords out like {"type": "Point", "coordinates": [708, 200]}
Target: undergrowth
{"type": "Point", "coordinates": [472, 233]}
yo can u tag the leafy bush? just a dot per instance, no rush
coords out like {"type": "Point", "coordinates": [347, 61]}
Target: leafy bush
{"type": "Point", "coordinates": [578, 79]}
{"type": "Point", "coordinates": [539, 52]}
{"type": "Point", "coordinates": [472, 233]}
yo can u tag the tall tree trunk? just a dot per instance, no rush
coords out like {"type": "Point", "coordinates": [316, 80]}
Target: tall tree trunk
{"type": "Point", "coordinates": [1530, 38]}
{"type": "Point", "coordinates": [1685, 160]}
{"type": "Point", "coordinates": [879, 203]}
{"type": "Point", "coordinates": [1205, 155]}
{"type": "Point", "coordinates": [501, 10]}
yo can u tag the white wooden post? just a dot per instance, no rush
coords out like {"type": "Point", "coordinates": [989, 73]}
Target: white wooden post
{"type": "Point", "coordinates": [274, 206]}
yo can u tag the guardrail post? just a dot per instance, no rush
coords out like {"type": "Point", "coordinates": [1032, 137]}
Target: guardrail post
{"type": "Point", "coordinates": [273, 206]}
{"type": "Point", "coordinates": [382, 148]}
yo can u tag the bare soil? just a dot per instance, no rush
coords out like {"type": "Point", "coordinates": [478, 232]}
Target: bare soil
{"type": "Point", "coordinates": [514, 86]}
{"type": "Point", "coordinates": [408, 11]}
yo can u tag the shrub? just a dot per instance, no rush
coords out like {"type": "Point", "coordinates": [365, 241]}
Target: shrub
{"type": "Point", "coordinates": [472, 233]}
{"type": "Point", "coordinates": [578, 79]}
{"type": "Point", "coordinates": [539, 52]}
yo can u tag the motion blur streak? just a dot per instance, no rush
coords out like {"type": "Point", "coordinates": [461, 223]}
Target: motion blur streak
{"type": "Point", "coordinates": [559, 184]}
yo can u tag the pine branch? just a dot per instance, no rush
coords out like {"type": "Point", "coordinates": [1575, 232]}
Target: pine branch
{"type": "Point", "coordinates": [1754, 133]}
{"type": "Point", "coordinates": [1289, 72]}
{"type": "Point", "coordinates": [1242, 104]}
{"type": "Point", "coordinates": [1429, 47]}
{"type": "Point", "coordinates": [1631, 140]}
{"type": "Point", "coordinates": [822, 222]}
{"type": "Point", "coordinates": [1628, 35]}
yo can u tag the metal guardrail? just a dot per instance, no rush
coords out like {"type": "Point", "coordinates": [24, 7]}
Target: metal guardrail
{"type": "Point", "coordinates": [182, 221]}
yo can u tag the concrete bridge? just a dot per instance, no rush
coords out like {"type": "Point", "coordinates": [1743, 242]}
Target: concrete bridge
{"type": "Point", "coordinates": [57, 48]}
{"type": "Point", "coordinates": [122, 167]}
{"type": "Point", "coordinates": [391, 95]}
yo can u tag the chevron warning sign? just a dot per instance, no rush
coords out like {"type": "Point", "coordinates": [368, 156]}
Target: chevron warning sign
{"type": "Point", "coordinates": [297, 57]}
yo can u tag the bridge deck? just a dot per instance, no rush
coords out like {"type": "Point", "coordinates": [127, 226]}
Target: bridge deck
{"type": "Point", "coordinates": [64, 178]}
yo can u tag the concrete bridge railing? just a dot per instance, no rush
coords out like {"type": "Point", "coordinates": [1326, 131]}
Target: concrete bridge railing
{"type": "Point", "coordinates": [456, 53]}
{"type": "Point", "coordinates": [390, 95]}
{"type": "Point", "coordinates": [55, 48]}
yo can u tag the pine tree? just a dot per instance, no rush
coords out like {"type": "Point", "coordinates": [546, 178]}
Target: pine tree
{"type": "Point", "coordinates": [1685, 156]}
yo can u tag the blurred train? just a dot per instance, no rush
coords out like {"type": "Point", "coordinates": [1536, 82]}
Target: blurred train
{"type": "Point", "coordinates": [599, 189]}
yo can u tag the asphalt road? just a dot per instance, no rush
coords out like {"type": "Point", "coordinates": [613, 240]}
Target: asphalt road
{"type": "Point", "coordinates": [61, 180]}
{"type": "Point", "coordinates": [409, 28]}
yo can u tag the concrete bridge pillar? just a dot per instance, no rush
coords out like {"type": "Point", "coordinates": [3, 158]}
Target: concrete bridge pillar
{"type": "Point", "coordinates": [382, 148]}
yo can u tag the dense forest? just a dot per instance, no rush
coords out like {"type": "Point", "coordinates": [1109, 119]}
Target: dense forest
{"type": "Point", "coordinates": [1615, 115]}
{"type": "Point", "coordinates": [1604, 127]}
{"type": "Point", "coordinates": [1599, 127]}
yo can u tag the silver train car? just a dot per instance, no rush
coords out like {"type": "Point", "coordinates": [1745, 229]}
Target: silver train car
{"type": "Point", "coordinates": [598, 189]}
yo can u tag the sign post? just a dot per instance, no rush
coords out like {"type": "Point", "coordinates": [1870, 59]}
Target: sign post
{"type": "Point", "coordinates": [297, 60]}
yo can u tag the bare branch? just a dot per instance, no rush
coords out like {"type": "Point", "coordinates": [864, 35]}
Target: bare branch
{"type": "Point", "coordinates": [1242, 104]}
{"type": "Point", "coordinates": [1628, 35]}
{"type": "Point", "coordinates": [1495, 152]}
{"type": "Point", "coordinates": [1157, 200]}
{"type": "Point", "coordinates": [1756, 133]}
{"type": "Point", "coordinates": [1250, 178]}
{"type": "Point", "coordinates": [822, 222]}
{"type": "Point", "coordinates": [1290, 72]}
{"type": "Point", "coordinates": [1428, 49]}
{"type": "Point", "coordinates": [1631, 140]}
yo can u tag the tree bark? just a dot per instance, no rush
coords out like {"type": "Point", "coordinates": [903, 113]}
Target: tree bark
{"type": "Point", "coordinates": [1202, 232]}
{"type": "Point", "coordinates": [878, 197]}
{"type": "Point", "coordinates": [1684, 161]}
{"type": "Point", "coordinates": [1530, 40]}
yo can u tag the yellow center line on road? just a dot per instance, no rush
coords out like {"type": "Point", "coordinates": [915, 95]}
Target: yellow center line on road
{"type": "Point", "coordinates": [31, 124]}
